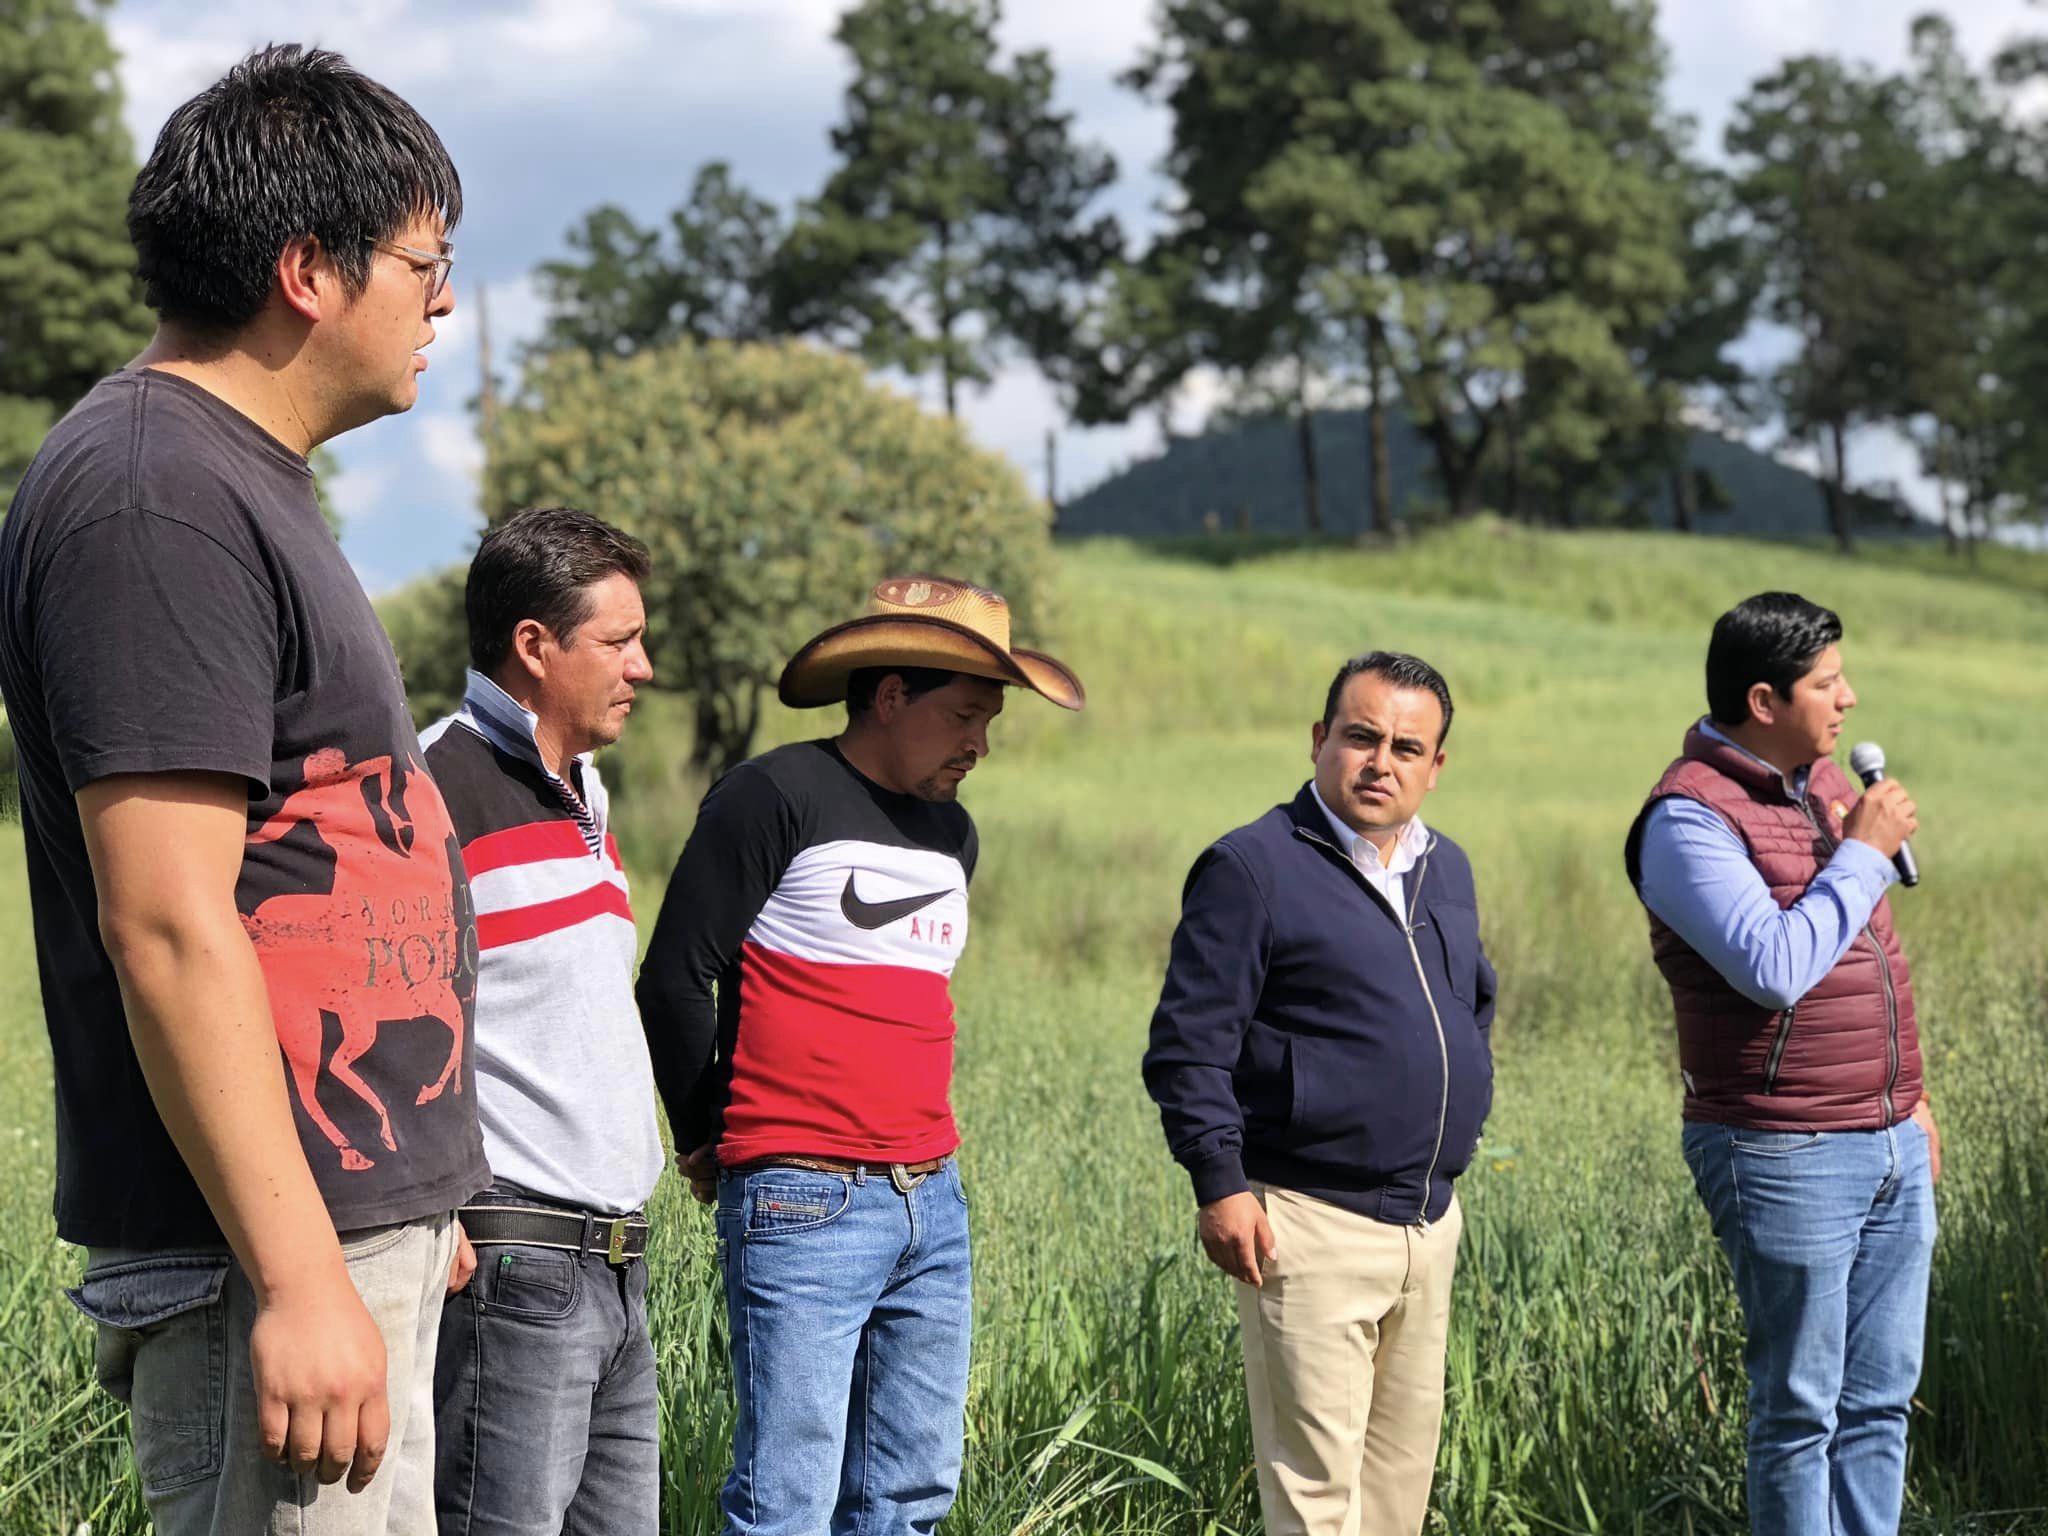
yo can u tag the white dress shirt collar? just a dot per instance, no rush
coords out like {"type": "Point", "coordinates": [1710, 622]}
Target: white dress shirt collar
{"type": "Point", "coordinates": [1409, 848]}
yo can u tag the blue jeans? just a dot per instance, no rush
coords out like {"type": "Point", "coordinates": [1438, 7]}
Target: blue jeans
{"type": "Point", "coordinates": [850, 1314]}
{"type": "Point", "coordinates": [1830, 1236]}
{"type": "Point", "coordinates": [545, 1408]}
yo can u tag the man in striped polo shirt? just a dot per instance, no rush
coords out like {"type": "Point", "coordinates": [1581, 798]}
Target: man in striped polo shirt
{"type": "Point", "coordinates": [824, 891]}
{"type": "Point", "coordinates": [544, 1389]}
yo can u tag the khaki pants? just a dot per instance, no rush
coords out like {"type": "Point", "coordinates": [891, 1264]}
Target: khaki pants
{"type": "Point", "coordinates": [174, 1346]}
{"type": "Point", "coordinates": [1344, 1364]}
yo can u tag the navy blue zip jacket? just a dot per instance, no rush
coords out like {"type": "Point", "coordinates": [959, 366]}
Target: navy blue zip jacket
{"type": "Point", "coordinates": [1310, 1037]}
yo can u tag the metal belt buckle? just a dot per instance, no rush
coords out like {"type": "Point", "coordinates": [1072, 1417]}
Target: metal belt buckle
{"type": "Point", "coordinates": [904, 1180]}
{"type": "Point", "coordinates": [615, 1250]}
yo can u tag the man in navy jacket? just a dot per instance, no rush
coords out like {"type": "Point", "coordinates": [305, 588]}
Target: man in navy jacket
{"type": "Point", "coordinates": [1322, 1062]}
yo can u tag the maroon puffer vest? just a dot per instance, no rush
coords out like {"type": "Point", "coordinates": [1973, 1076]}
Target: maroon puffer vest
{"type": "Point", "coordinates": [1847, 1055]}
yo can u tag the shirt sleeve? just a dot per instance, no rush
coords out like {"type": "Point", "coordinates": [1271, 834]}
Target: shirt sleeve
{"type": "Point", "coordinates": [745, 836]}
{"type": "Point", "coordinates": [157, 650]}
{"type": "Point", "coordinates": [1698, 878]}
{"type": "Point", "coordinates": [1214, 975]}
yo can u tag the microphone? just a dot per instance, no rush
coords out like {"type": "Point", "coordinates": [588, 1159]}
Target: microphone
{"type": "Point", "coordinates": [1867, 759]}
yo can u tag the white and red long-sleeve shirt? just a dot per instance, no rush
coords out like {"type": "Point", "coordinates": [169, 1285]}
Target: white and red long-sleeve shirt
{"type": "Point", "coordinates": [563, 1087]}
{"type": "Point", "coordinates": [829, 912]}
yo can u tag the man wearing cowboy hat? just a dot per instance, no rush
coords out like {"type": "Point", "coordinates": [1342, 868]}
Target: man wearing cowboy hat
{"type": "Point", "coordinates": [824, 891]}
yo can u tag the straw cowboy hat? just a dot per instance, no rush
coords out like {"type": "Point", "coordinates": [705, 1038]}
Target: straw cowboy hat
{"type": "Point", "coordinates": [924, 621]}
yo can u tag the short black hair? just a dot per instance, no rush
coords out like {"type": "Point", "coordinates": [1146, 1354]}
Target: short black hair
{"type": "Point", "coordinates": [538, 564]}
{"type": "Point", "coordinates": [1398, 668]}
{"type": "Point", "coordinates": [291, 142]}
{"type": "Point", "coordinates": [864, 683]}
{"type": "Point", "coordinates": [1772, 638]}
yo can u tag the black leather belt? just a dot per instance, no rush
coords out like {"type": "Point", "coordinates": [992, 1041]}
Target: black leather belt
{"type": "Point", "coordinates": [615, 1239]}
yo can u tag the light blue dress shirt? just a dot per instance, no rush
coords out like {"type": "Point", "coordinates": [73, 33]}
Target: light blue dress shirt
{"type": "Point", "coordinates": [1698, 878]}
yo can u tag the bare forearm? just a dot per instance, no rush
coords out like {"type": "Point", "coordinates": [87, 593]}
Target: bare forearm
{"type": "Point", "coordinates": [166, 853]}
{"type": "Point", "coordinates": [200, 1020]}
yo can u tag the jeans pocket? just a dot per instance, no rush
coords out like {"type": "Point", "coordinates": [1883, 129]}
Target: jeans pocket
{"type": "Point", "coordinates": [368, 1242]}
{"type": "Point", "coordinates": [162, 1350]}
{"type": "Point", "coordinates": [786, 1201]}
{"type": "Point", "coordinates": [1773, 1143]}
{"type": "Point", "coordinates": [537, 1283]}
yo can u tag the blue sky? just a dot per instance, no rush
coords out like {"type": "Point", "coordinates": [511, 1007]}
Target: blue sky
{"type": "Point", "coordinates": [553, 106]}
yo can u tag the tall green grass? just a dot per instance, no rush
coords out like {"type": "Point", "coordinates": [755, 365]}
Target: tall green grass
{"type": "Point", "coordinates": [1595, 1379]}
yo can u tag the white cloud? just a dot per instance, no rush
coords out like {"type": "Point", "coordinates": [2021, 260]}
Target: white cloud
{"type": "Point", "coordinates": [359, 488]}
{"type": "Point", "coordinates": [1081, 33]}
{"type": "Point", "coordinates": [449, 444]}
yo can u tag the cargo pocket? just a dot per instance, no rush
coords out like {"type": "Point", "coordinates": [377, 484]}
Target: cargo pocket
{"type": "Point", "coordinates": [162, 1350]}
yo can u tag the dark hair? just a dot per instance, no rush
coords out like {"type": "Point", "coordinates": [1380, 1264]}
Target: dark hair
{"type": "Point", "coordinates": [291, 142]}
{"type": "Point", "coordinates": [1398, 668]}
{"type": "Point", "coordinates": [865, 682]}
{"type": "Point", "coordinates": [538, 564]}
{"type": "Point", "coordinates": [1772, 638]}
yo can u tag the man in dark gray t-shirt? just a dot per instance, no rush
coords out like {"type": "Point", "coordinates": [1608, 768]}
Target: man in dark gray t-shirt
{"type": "Point", "coordinates": [253, 931]}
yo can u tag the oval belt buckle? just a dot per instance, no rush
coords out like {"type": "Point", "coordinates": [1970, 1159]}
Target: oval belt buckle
{"type": "Point", "coordinates": [904, 1180]}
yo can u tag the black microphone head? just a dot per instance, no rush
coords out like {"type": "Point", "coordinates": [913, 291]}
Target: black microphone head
{"type": "Point", "coordinates": [1866, 759]}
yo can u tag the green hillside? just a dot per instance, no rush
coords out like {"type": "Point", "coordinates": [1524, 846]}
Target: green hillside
{"type": "Point", "coordinates": [1595, 1357]}
{"type": "Point", "coordinates": [1246, 476]}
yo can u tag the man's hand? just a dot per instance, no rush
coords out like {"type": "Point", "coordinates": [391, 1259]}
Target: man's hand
{"type": "Point", "coordinates": [1923, 1116]}
{"type": "Point", "coordinates": [1236, 1236]}
{"type": "Point", "coordinates": [318, 1360]}
{"type": "Point", "coordinates": [1884, 818]}
{"type": "Point", "coordinates": [701, 1169]}
{"type": "Point", "coordinates": [465, 1261]}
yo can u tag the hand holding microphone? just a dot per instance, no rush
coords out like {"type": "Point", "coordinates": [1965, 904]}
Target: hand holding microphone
{"type": "Point", "coordinates": [1885, 817]}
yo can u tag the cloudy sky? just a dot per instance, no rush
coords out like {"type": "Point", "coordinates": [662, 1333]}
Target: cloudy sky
{"type": "Point", "coordinates": [553, 106]}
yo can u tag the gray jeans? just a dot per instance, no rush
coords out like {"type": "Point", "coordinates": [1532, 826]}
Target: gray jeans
{"type": "Point", "coordinates": [174, 1346]}
{"type": "Point", "coordinates": [546, 1411]}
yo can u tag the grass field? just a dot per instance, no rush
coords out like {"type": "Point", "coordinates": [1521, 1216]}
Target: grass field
{"type": "Point", "coordinates": [1595, 1382]}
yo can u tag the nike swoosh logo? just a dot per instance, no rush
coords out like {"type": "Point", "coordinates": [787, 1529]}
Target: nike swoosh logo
{"type": "Point", "coordinates": [880, 914]}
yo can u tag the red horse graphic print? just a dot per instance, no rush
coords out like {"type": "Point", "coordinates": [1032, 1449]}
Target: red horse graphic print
{"type": "Point", "coordinates": [383, 946]}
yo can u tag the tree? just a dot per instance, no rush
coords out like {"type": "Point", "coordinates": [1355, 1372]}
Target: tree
{"type": "Point", "coordinates": [629, 290]}
{"type": "Point", "coordinates": [2016, 468]}
{"type": "Point", "coordinates": [956, 224]}
{"type": "Point", "coordinates": [1683, 355]}
{"type": "Point", "coordinates": [773, 484]}
{"type": "Point", "coordinates": [430, 634]}
{"type": "Point", "coordinates": [1962, 249]}
{"type": "Point", "coordinates": [1824, 151]}
{"type": "Point", "coordinates": [1463, 192]}
{"type": "Point", "coordinates": [70, 308]}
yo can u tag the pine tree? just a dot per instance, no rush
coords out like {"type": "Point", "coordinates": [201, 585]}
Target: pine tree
{"type": "Point", "coordinates": [956, 224]}
{"type": "Point", "coordinates": [70, 307]}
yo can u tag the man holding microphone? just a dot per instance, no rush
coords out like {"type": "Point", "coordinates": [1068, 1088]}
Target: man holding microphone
{"type": "Point", "coordinates": [1807, 1131]}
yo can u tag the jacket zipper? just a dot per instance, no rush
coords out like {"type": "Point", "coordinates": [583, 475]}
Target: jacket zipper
{"type": "Point", "coordinates": [1778, 1050]}
{"type": "Point", "coordinates": [1443, 1109]}
{"type": "Point", "coordinates": [1891, 1011]}
{"type": "Point", "coordinates": [1891, 996]}
{"type": "Point", "coordinates": [1443, 1112]}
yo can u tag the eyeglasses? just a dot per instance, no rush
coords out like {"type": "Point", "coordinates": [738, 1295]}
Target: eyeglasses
{"type": "Point", "coordinates": [437, 261]}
